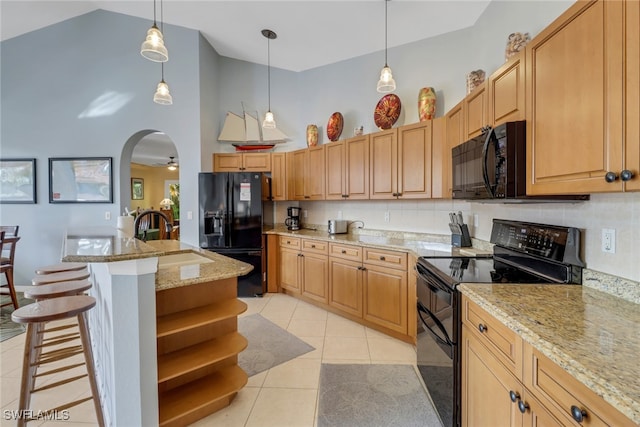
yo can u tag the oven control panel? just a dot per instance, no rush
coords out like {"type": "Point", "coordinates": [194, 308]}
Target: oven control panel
{"type": "Point", "coordinates": [551, 242]}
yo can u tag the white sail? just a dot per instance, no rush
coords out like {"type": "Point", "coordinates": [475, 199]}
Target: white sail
{"type": "Point", "coordinates": [246, 129]}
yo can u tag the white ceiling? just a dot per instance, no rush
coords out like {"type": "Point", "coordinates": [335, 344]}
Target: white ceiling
{"type": "Point", "coordinates": [310, 33]}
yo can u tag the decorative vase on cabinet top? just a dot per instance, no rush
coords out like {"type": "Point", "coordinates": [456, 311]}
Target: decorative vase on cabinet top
{"type": "Point", "coordinates": [426, 103]}
{"type": "Point", "coordinates": [312, 135]}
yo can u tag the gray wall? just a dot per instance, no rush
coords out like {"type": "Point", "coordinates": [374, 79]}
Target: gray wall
{"type": "Point", "coordinates": [42, 98]}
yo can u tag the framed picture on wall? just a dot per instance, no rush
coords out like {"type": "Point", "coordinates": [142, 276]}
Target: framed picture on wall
{"type": "Point", "coordinates": [137, 188]}
{"type": "Point", "coordinates": [18, 181]}
{"type": "Point", "coordinates": [80, 180]}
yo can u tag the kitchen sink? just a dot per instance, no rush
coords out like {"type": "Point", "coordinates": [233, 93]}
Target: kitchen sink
{"type": "Point", "coordinates": [185, 258]}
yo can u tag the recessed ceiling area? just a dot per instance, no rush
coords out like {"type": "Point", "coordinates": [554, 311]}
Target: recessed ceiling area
{"type": "Point", "coordinates": [310, 33]}
{"type": "Point", "coordinates": [155, 149]}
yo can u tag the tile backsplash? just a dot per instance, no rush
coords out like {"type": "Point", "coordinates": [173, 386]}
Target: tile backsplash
{"type": "Point", "coordinates": [618, 211]}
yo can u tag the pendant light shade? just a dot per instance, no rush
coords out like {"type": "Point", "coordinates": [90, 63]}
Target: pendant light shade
{"type": "Point", "coordinates": [153, 47]}
{"type": "Point", "coordinates": [386, 82]}
{"type": "Point", "coordinates": [162, 95]}
{"type": "Point", "coordinates": [269, 122]}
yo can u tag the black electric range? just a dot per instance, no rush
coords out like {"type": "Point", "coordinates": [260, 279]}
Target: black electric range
{"type": "Point", "coordinates": [523, 253]}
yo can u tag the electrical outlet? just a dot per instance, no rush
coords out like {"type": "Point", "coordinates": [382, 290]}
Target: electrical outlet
{"type": "Point", "coordinates": [609, 240]}
{"type": "Point", "coordinates": [339, 214]}
{"type": "Point", "coordinates": [305, 213]}
{"type": "Point", "coordinates": [107, 215]}
{"type": "Point", "coordinates": [387, 216]}
{"type": "Point", "coordinates": [476, 220]}
{"type": "Point", "coordinates": [189, 214]}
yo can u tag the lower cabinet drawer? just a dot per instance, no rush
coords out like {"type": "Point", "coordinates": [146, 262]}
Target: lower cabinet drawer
{"type": "Point", "coordinates": [505, 343]}
{"type": "Point", "coordinates": [350, 252]}
{"type": "Point", "coordinates": [390, 259]}
{"type": "Point", "coordinates": [315, 246]}
{"type": "Point", "coordinates": [557, 389]}
{"type": "Point", "coordinates": [290, 242]}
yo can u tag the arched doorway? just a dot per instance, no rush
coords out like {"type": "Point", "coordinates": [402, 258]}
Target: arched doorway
{"type": "Point", "coordinates": [149, 174]}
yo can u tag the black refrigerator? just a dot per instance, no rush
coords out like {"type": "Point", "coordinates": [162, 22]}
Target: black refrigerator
{"type": "Point", "coordinates": [231, 221]}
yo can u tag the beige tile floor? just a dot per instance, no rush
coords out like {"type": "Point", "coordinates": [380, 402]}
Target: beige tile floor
{"type": "Point", "coordinates": [285, 395]}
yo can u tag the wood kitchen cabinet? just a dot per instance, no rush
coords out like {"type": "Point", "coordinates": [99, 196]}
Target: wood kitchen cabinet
{"type": "Point", "coordinates": [454, 124]}
{"type": "Point", "coordinates": [385, 288]}
{"type": "Point", "coordinates": [242, 162]}
{"type": "Point", "coordinates": [400, 162]}
{"type": "Point", "coordinates": [307, 170]}
{"type": "Point", "coordinates": [506, 91]}
{"type": "Point", "coordinates": [347, 169]}
{"type": "Point", "coordinates": [475, 111]}
{"type": "Point", "coordinates": [289, 265]}
{"type": "Point", "coordinates": [507, 382]}
{"type": "Point", "coordinates": [441, 175]}
{"type": "Point", "coordinates": [278, 176]}
{"type": "Point", "coordinates": [345, 278]}
{"type": "Point", "coordinates": [304, 267]}
{"type": "Point", "coordinates": [577, 72]}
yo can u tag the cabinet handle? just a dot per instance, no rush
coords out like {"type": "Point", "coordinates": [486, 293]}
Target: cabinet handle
{"type": "Point", "coordinates": [578, 414]}
{"type": "Point", "coordinates": [610, 176]}
{"type": "Point", "coordinates": [482, 328]}
{"type": "Point", "coordinates": [313, 246]}
{"type": "Point", "coordinates": [626, 175]}
{"type": "Point", "coordinates": [343, 251]}
{"type": "Point", "coordinates": [523, 406]}
{"type": "Point", "coordinates": [382, 258]}
{"type": "Point", "coordinates": [288, 242]}
{"type": "Point", "coordinates": [307, 197]}
{"type": "Point", "coordinates": [514, 396]}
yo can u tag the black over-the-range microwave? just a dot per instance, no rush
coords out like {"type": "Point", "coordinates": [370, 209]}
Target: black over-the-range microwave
{"type": "Point", "coordinates": [494, 166]}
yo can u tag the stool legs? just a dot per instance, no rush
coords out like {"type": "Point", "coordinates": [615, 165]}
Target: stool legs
{"type": "Point", "coordinates": [35, 357]}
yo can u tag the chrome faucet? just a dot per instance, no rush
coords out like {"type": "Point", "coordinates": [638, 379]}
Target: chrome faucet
{"type": "Point", "coordinates": [136, 224]}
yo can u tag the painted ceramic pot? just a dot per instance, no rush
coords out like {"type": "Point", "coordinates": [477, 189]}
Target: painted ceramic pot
{"type": "Point", "coordinates": [312, 135]}
{"type": "Point", "coordinates": [426, 103]}
{"type": "Point", "coordinates": [334, 127]}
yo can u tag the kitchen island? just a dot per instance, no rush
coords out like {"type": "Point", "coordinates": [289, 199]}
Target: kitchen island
{"type": "Point", "coordinates": [164, 330]}
{"type": "Point", "coordinates": [590, 335]}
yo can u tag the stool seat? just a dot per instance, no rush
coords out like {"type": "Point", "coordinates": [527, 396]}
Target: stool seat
{"type": "Point", "coordinates": [56, 290]}
{"type": "Point", "coordinates": [53, 309]}
{"type": "Point", "coordinates": [63, 266]}
{"type": "Point", "coordinates": [63, 276]}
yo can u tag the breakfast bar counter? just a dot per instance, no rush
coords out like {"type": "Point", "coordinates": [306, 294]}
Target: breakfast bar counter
{"type": "Point", "coordinates": [164, 329]}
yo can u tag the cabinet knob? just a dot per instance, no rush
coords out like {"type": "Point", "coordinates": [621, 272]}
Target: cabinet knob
{"type": "Point", "coordinates": [382, 258]}
{"type": "Point", "coordinates": [482, 328]}
{"type": "Point", "coordinates": [523, 406]}
{"type": "Point", "coordinates": [514, 396]}
{"type": "Point", "coordinates": [288, 242]}
{"type": "Point", "coordinates": [313, 246]}
{"type": "Point", "coordinates": [610, 176]}
{"type": "Point", "coordinates": [343, 251]}
{"type": "Point", "coordinates": [578, 414]}
{"type": "Point", "coordinates": [626, 175]}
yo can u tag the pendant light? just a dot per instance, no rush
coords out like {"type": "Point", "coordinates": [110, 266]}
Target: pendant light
{"type": "Point", "coordinates": [386, 82]}
{"type": "Point", "coordinates": [269, 122]}
{"type": "Point", "coordinates": [162, 95]}
{"type": "Point", "coordinates": [153, 47]}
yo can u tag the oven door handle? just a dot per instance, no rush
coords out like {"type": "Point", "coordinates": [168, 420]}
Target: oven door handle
{"type": "Point", "coordinates": [485, 172]}
{"type": "Point", "coordinates": [434, 285]}
{"type": "Point", "coordinates": [446, 341]}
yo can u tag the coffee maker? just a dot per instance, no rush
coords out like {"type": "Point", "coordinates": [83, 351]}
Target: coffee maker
{"type": "Point", "coordinates": [293, 218]}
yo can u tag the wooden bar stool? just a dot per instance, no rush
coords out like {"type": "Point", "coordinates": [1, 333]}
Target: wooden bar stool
{"type": "Point", "coordinates": [63, 266]}
{"type": "Point", "coordinates": [35, 316]}
{"type": "Point", "coordinates": [58, 289]}
{"type": "Point", "coordinates": [63, 276]}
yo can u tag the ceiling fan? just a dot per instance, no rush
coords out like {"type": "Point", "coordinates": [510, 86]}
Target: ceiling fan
{"type": "Point", "coordinates": [172, 164]}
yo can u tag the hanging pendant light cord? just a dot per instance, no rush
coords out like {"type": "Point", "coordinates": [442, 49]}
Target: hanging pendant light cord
{"type": "Point", "coordinates": [269, 71]}
{"type": "Point", "coordinates": [154, 13]}
{"type": "Point", "coordinates": [385, 32]}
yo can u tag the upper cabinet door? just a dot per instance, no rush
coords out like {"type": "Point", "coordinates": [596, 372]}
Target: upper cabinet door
{"type": "Point", "coordinates": [440, 160]}
{"type": "Point", "coordinates": [335, 170]}
{"type": "Point", "coordinates": [475, 111]}
{"type": "Point", "coordinates": [574, 80]}
{"type": "Point", "coordinates": [506, 91]}
{"type": "Point", "coordinates": [279, 176]}
{"type": "Point", "coordinates": [414, 161]}
{"type": "Point", "coordinates": [357, 168]}
{"type": "Point", "coordinates": [455, 125]}
{"type": "Point", "coordinates": [256, 162]}
{"type": "Point", "coordinates": [383, 157]}
{"type": "Point", "coordinates": [314, 174]}
{"type": "Point", "coordinates": [227, 162]}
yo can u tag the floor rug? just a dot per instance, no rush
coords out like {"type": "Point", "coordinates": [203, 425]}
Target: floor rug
{"type": "Point", "coordinates": [269, 344]}
{"type": "Point", "coordinates": [373, 396]}
{"type": "Point", "coordinates": [8, 329]}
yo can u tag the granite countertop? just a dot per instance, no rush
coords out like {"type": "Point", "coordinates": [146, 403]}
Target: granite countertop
{"type": "Point", "coordinates": [592, 335]}
{"type": "Point", "coordinates": [419, 244]}
{"type": "Point", "coordinates": [105, 244]}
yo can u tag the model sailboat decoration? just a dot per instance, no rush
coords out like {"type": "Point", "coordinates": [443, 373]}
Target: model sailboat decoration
{"type": "Point", "coordinates": [245, 133]}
